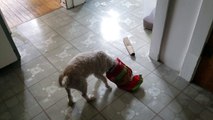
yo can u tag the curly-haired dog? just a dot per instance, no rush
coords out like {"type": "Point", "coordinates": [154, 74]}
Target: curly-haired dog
{"type": "Point", "coordinates": [80, 67]}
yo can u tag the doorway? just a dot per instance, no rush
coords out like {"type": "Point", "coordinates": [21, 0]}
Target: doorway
{"type": "Point", "coordinates": [19, 11]}
{"type": "Point", "coordinates": [204, 73]}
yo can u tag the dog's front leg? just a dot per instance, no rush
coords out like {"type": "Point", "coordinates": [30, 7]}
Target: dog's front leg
{"type": "Point", "coordinates": [103, 78]}
{"type": "Point", "coordinates": [70, 103]}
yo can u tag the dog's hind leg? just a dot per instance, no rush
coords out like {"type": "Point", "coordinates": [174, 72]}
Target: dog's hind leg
{"type": "Point", "coordinates": [103, 78]}
{"type": "Point", "coordinates": [70, 103]}
{"type": "Point", "coordinates": [84, 92]}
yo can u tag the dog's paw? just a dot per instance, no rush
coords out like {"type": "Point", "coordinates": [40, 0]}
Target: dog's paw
{"type": "Point", "coordinates": [91, 98]}
{"type": "Point", "coordinates": [71, 103]}
{"type": "Point", "coordinates": [109, 89]}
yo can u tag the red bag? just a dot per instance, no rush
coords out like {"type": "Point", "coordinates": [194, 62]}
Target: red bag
{"type": "Point", "coordinates": [122, 76]}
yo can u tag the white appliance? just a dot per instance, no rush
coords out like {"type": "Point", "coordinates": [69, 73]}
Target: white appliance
{"type": "Point", "coordinates": [8, 51]}
{"type": "Point", "coordinates": [71, 3]}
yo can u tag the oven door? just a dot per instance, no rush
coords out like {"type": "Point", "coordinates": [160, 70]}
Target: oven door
{"type": "Point", "coordinates": [8, 51]}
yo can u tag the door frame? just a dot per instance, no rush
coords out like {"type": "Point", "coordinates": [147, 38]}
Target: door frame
{"type": "Point", "coordinates": [197, 41]}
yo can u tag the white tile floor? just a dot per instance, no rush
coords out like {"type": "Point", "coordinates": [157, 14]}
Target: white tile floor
{"type": "Point", "coordinates": [47, 43]}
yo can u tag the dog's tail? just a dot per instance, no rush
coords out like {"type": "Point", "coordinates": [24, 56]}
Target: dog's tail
{"type": "Point", "coordinates": [62, 80]}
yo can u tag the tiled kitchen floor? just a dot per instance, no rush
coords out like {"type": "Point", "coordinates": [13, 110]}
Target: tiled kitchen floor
{"type": "Point", "coordinates": [47, 43]}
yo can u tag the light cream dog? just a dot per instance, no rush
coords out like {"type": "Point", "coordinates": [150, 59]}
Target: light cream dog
{"type": "Point", "coordinates": [80, 67]}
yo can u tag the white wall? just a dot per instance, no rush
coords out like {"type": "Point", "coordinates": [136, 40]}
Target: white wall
{"type": "Point", "coordinates": [158, 29]}
{"type": "Point", "coordinates": [148, 6]}
{"type": "Point", "coordinates": [181, 20]}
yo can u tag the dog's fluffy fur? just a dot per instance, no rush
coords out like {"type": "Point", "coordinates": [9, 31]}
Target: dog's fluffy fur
{"type": "Point", "coordinates": [80, 67]}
